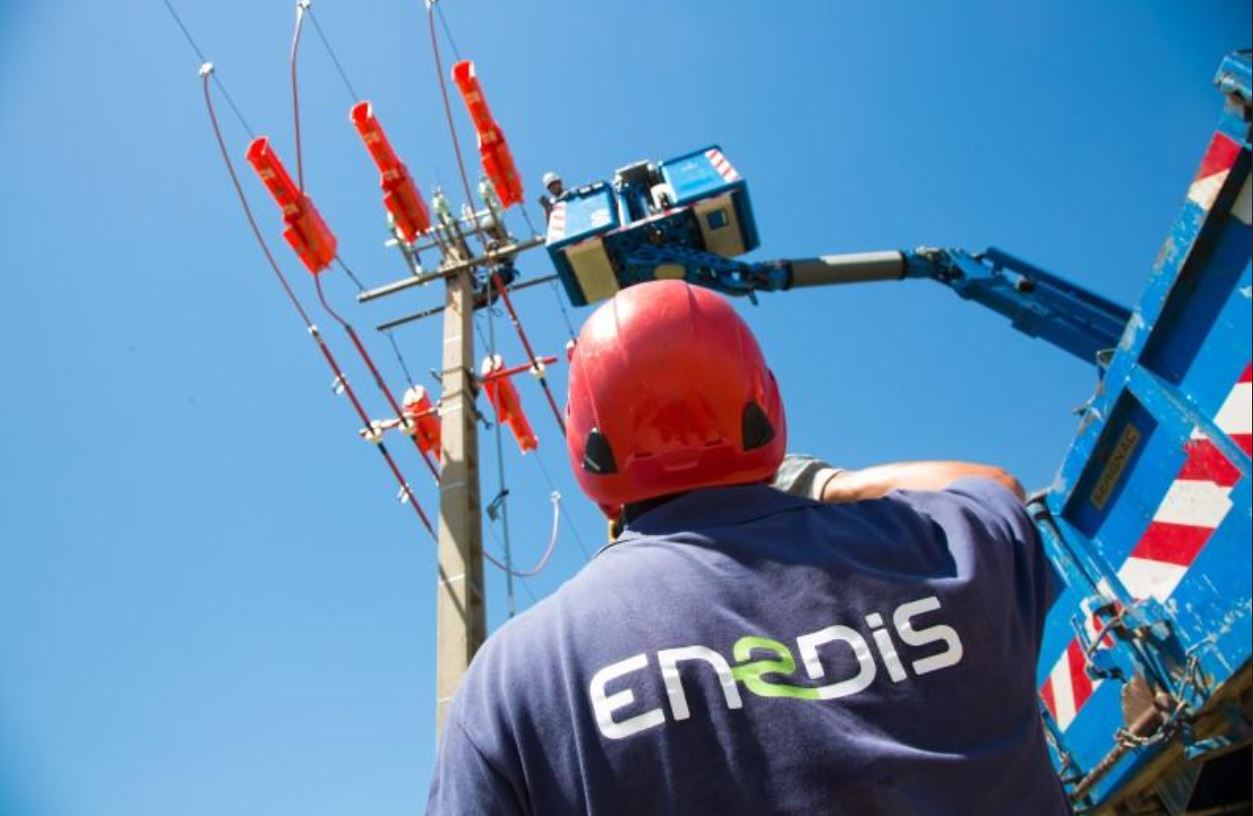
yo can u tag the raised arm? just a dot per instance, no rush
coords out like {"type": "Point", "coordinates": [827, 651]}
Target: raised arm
{"type": "Point", "coordinates": [877, 481]}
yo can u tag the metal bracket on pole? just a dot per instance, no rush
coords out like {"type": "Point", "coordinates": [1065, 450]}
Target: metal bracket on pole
{"type": "Point", "coordinates": [491, 257]}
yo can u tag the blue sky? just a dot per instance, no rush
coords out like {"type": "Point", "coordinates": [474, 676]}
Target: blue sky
{"type": "Point", "coordinates": [209, 601]}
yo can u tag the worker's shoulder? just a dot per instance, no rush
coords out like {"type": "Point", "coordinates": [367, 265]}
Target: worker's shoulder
{"type": "Point", "coordinates": [974, 498]}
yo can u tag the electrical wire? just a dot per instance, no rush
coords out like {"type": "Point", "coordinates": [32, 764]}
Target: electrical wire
{"type": "Point", "coordinates": [349, 273]}
{"type": "Point", "coordinates": [548, 549]}
{"type": "Point", "coordinates": [564, 314]}
{"type": "Point", "coordinates": [301, 5]}
{"type": "Point", "coordinates": [530, 352]}
{"type": "Point", "coordinates": [343, 75]}
{"type": "Point", "coordinates": [447, 32]}
{"type": "Point", "coordinates": [369, 362]}
{"type": "Point", "coordinates": [526, 216]}
{"type": "Point", "coordinates": [204, 61]}
{"type": "Point", "coordinates": [340, 379]}
{"type": "Point", "coordinates": [400, 358]}
{"type": "Point", "coordinates": [443, 90]}
{"type": "Point", "coordinates": [574, 530]}
{"type": "Point", "coordinates": [503, 492]}
{"type": "Point", "coordinates": [465, 185]}
{"type": "Point", "coordinates": [524, 582]}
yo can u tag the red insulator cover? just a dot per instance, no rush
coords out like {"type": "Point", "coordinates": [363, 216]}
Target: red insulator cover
{"type": "Point", "coordinates": [306, 231]}
{"type": "Point", "coordinates": [504, 398]}
{"type": "Point", "coordinates": [424, 419]}
{"type": "Point", "coordinates": [401, 196]}
{"type": "Point", "coordinates": [493, 149]}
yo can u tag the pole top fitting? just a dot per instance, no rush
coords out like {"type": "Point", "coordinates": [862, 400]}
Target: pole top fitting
{"type": "Point", "coordinates": [206, 69]}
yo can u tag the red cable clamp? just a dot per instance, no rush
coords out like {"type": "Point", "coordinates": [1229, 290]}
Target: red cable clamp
{"type": "Point", "coordinates": [423, 420]}
{"type": "Point", "coordinates": [400, 195]}
{"type": "Point", "coordinates": [493, 150]}
{"type": "Point", "coordinates": [306, 231]}
{"type": "Point", "coordinates": [504, 398]}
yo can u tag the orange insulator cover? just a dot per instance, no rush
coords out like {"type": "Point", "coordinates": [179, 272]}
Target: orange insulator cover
{"type": "Point", "coordinates": [504, 398]}
{"type": "Point", "coordinates": [424, 419]}
{"type": "Point", "coordinates": [306, 231]}
{"type": "Point", "coordinates": [401, 196]}
{"type": "Point", "coordinates": [493, 149]}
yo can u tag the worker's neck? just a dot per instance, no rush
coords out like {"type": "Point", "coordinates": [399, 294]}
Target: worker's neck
{"type": "Point", "coordinates": [631, 512]}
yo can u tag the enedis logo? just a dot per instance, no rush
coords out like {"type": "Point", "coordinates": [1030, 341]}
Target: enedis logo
{"type": "Point", "coordinates": [759, 674]}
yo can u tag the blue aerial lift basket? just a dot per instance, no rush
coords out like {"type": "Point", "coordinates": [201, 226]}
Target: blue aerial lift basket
{"type": "Point", "coordinates": [598, 235]}
{"type": "Point", "coordinates": [1145, 669]}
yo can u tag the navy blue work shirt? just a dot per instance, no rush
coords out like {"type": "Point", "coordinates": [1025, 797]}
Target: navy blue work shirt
{"type": "Point", "coordinates": [744, 651]}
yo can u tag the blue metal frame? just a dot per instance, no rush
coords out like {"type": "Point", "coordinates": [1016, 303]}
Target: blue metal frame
{"type": "Point", "coordinates": [1185, 346]}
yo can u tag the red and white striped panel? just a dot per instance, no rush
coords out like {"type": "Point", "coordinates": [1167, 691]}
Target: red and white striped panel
{"type": "Point", "coordinates": [1236, 416]}
{"type": "Point", "coordinates": [1215, 167]}
{"type": "Point", "coordinates": [721, 164]}
{"type": "Point", "coordinates": [1195, 504]}
{"type": "Point", "coordinates": [557, 222]}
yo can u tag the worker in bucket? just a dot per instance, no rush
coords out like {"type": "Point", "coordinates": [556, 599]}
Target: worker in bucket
{"type": "Point", "coordinates": [555, 190]}
{"type": "Point", "coordinates": [740, 649]}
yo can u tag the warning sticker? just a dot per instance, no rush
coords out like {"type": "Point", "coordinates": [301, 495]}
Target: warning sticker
{"type": "Point", "coordinates": [1111, 474]}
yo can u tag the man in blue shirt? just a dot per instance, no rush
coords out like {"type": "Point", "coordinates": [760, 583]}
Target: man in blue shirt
{"type": "Point", "coordinates": [740, 649]}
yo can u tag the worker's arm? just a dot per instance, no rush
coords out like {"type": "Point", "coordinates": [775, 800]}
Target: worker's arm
{"type": "Point", "coordinates": [876, 482]}
{"type": "Point", "coordinates": [467, 781]}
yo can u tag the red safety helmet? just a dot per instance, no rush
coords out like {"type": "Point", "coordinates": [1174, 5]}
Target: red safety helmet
{"type": "Point", "coordinates": [669, 392]}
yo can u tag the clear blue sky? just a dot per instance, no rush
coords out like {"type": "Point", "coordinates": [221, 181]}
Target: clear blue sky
{"type": "Point", "coordinates": [209, 601]}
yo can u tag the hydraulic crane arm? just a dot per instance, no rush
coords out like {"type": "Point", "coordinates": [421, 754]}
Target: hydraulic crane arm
{"type": "Point", "coordinates": [1038, 303]}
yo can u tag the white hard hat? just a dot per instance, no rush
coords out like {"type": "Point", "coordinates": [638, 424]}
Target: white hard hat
{"type": "Point", "coordinates": [551, 177]}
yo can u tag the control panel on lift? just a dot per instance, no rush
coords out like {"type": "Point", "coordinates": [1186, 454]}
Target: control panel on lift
{"type": "Point", "coordinates": [697, 201]}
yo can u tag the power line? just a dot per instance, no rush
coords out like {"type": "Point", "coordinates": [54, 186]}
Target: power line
{"type": "Point", "coordinates": [400, 358]}
{"type": "Point", "coordinates": [301, 7]}
{"type": "Point", "coordinates": [496, 281]}
{"type": "Point", "coordinates": [341, 380]}
{"type": "Point", "coordinates": [526, 585]}
{"type": "Point", "coordinates": [352, 277]}
{"type": "Point", "coordinates": [526, 216]}
{"type": "Point", "coordinates": [191, 41]}
{"type": "Point", "coordinates": [334, 58]}
{"type": "Point", "coordinates": [564, 314]}
{"type": "Point", "coordinates": [447, 32]}
{"type": "Point", "coordinates": [569, 521]}
{"type": "Point", "coordinates": [369, 362]}
{"type": "Point", "coordinates": [503, 495]}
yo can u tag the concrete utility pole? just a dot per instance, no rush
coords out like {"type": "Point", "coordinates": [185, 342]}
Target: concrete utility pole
{"type": "Point", "coordinates": [460, 615]}
{"type": "Point", "coordinates": [461, 624]}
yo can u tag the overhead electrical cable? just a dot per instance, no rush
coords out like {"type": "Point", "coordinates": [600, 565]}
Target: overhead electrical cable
{"type": "Point", "coordinates": [341, 381]}
{"type": "Point", "coordinates": [204, 61]}
{"type": "Point", "coordinates": [301, 6]}
{"type": "Point", "coordinates": [502, 494]}
{"type": "Point", "coordinates": [574, 529]}
{"type": "Point", "coordinates": [548, 549]}
{"type": "Point", "coordinates": [343, 75]}
{"type": "Point", "coordinates": [369, 362]}
{"type": "Point", "coordinates": [400, 358]}
{"type": "Point", "coordinates": [526, 585]}
{"type": "Point", "coordinates": [443, 21]}
{"type": "Point", "coordinates": [565, 316]}
{"type": "Point", "coordinates": [497, 283]}
{"type": "Point", "coordinates": [347, 271]}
